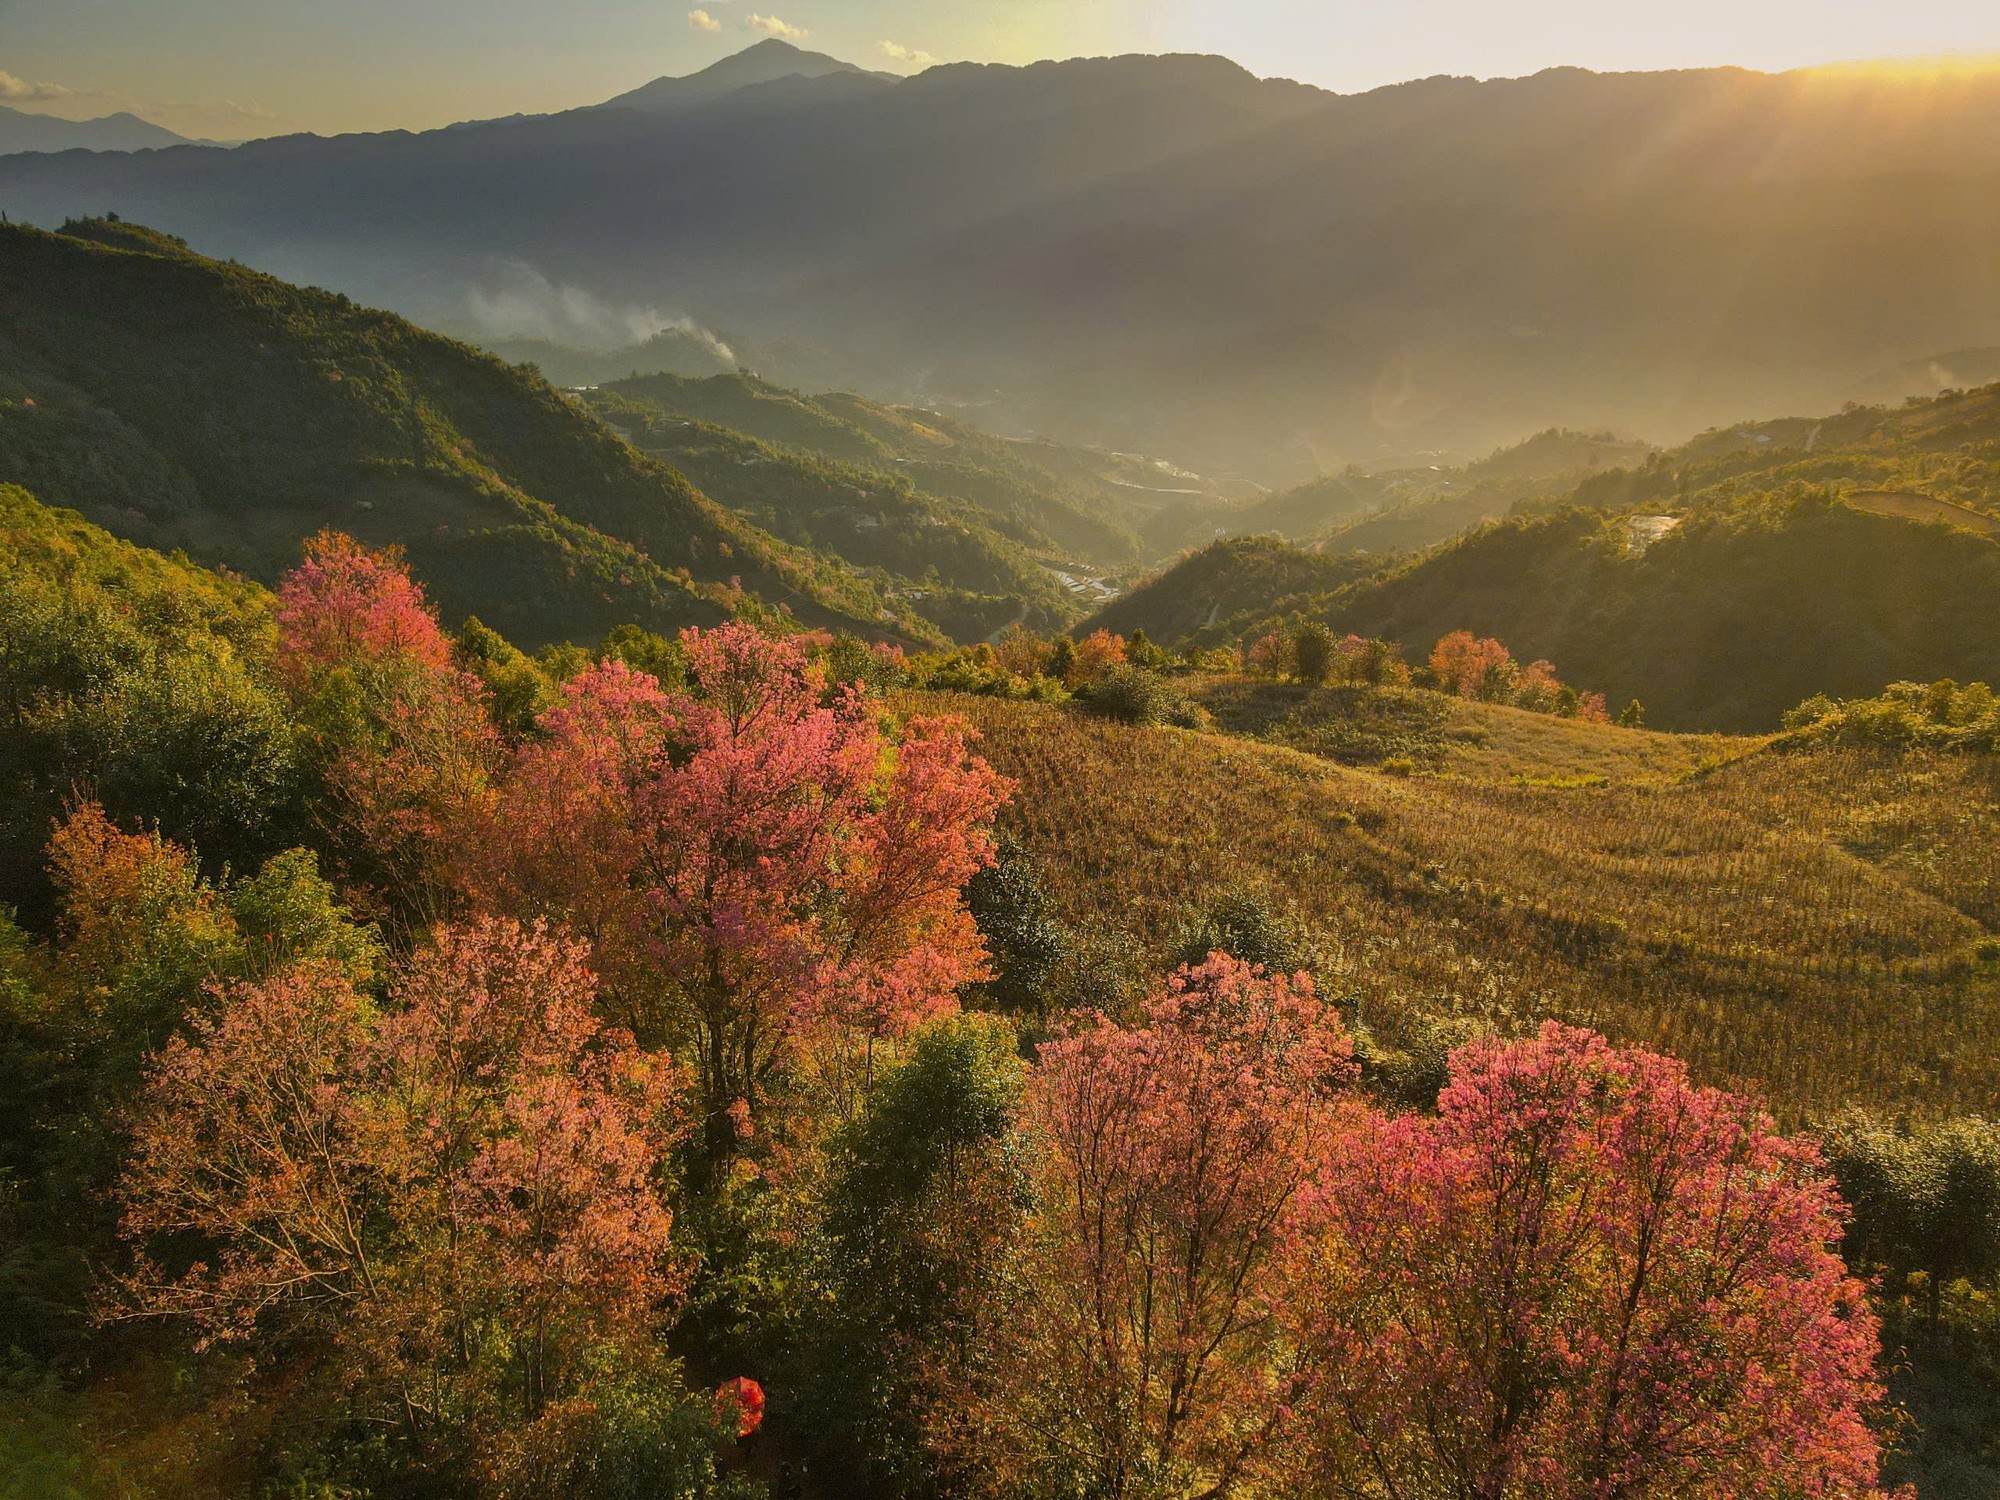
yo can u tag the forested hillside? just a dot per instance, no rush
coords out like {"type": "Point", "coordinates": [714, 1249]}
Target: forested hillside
{"type": "Point", "coordinates": [1084, 501]}
{"type": "Point", "coordinates": [1213, 595]}
{"type": "Point", "coordinates": [970, 571]}
{"type": "Point", "coordinates": [1725, 622]}
{"type": "Point", "coordinates": [1403, 508]}
{"type": "Point", "coordinates": [186, 403]}
{"type": "Point", "coordinates": [1719, 583]}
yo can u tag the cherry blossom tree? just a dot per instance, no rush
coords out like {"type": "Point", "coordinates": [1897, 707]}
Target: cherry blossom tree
{"type": "Point", "coordinates": [1470, 666]}
{"type": "Point", "coordinates": [346, 603]}
{"type": "Point", "coordinates": [1584, 1277]}
{"type": "Point", "coordinates": [757, 861]}
{"type": "Point", "coordinates": [563, 837]}
{"type": "Point", "coordinates": [399, 736]}
{"type": "Point", "coordinates": [246, 1158]}
{"type": "Point", "coordinates": [1134, 1338]}
{"type": "Point", "coordinates": [1096, 654]}
{"type": "Point", "coordinates": [458, 1198]}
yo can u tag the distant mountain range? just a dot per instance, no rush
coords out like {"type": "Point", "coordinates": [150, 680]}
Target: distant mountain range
{"type": "Point", "coordinates": [1168, 255]}
{"type": "Point", "coordinates": [22, 131]}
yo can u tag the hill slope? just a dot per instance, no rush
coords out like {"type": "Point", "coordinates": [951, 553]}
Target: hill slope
{"type": "Point", "coordinates": [968, 570]}
{"type": "Point", "coordinates": [1727, 621]}
{"type": "Point", "coordinates": [1088, 503]}
{"type": "Point", "coordinates": [1213, 594]}
{"type": "Point", "coordinates": [185, 403]}
{"type": "Point", "coordinates": [1720, 582]}
{"type": "Point", "coordinates": [1812, 923]}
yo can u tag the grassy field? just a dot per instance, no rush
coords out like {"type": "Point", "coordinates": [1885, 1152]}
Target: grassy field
{"type": "Point", "coordinates": [1821, 927]}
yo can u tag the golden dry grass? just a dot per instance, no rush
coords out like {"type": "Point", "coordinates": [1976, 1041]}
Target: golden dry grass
{"type": "Point", "coordinates": [1821, 927]}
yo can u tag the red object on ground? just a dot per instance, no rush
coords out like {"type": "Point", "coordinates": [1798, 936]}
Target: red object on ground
{"type": "Point", "coordinates": [740, 1400]}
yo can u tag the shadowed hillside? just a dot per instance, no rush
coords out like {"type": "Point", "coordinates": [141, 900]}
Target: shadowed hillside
{"type": "Point", "coordinates": [182, 402]}
{"type": "Point", "coordinates": [1720, 582]}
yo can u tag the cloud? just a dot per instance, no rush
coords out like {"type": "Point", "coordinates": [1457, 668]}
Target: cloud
{"type": "Point", "coordinates": [515, 301]}
{"type": "Point", "coordinates": [772, 26]}
{"type": "Point", "coordinates": [20, 91]}
{"type": "Point", "coordinates": [909, 57]}
{"type": "Point", "coordinates": [701, 20]}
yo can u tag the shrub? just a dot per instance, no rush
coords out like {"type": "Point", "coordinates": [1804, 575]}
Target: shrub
{"type": "Point", "coordinates": [1908, 715]}
{"type": "Point", "coordinates": [1133, 695]}
{"type": "Point", "coordinates": [1314, 652]}
{"type": "Point", "coordinates": [1241, 924]}
{"type": "Point", "coordinates": [1024, 942]}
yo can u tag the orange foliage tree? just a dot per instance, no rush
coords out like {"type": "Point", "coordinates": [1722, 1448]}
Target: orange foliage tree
{"type": "Point", "coordinates": [400, 738]}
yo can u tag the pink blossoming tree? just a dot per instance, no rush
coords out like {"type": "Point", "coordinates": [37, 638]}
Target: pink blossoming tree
{"type": "Point", "coordinates": [400, 737]}
{"type": "Point", "coordinates": [758, 862]}
{"type": "Point", "coordinates": [1584, 1277]}
{"type": "Point", "coordinates": [1134, 1344]}
{"type": "Point", "coordinates": [458, 1198]}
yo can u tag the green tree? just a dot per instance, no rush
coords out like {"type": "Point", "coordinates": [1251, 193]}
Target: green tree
{"type": "Point", "coordinates": [1024, 941]}
{"type": "Point", "coordinates": [1141, 652]}
{"type": "Point", "coordinates": [926, 1191]}
{"type": "Point", "coordinates": [1314, 651]}
{"type": "Point", "coordinates": [1242, 924]}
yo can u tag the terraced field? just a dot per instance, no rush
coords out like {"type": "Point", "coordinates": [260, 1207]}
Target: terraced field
{"type": "Point", "coordinates": [1822, 926]}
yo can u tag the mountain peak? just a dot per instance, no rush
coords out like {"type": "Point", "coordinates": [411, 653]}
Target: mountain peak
{"type": "Point", "coordinates": [767, 61]}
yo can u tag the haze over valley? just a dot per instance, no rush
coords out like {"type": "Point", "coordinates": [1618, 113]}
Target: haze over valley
{"type": "Point", "coordinates": [1165, 254]}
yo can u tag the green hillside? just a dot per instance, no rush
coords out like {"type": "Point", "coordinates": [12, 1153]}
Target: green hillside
{"type": "Point", "coordinates": [1402, 508]}
{"type": "Point", "coordinates": [133, 678]}
{"type": "Point", "coordinates": [182, 402]}
{"type": "Point", "coordinates": [1735, 615]}
{"type": "Point", "coordinates": [1212, 595]}
{"type": "Point", "coordinates": [1946, 448]}
{"type": "Point", "coordinates": [1086, 503]}
{"type": "Point", "coordinates": [969, 570]}
{"type": "Point", "coordinates": [1720, 583]}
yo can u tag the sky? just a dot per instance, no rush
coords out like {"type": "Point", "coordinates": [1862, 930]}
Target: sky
{"type": "Point", "coordinates": [231, 69]}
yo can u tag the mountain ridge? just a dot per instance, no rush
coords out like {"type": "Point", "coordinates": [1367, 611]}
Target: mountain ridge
{"type": "Point", "coordinates": [1167, 255]}
{"type": "Point", "coordinates": [24, 131]}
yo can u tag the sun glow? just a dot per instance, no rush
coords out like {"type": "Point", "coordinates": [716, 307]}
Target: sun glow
{"type": "Point", "coordinates": [1938, 68]}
